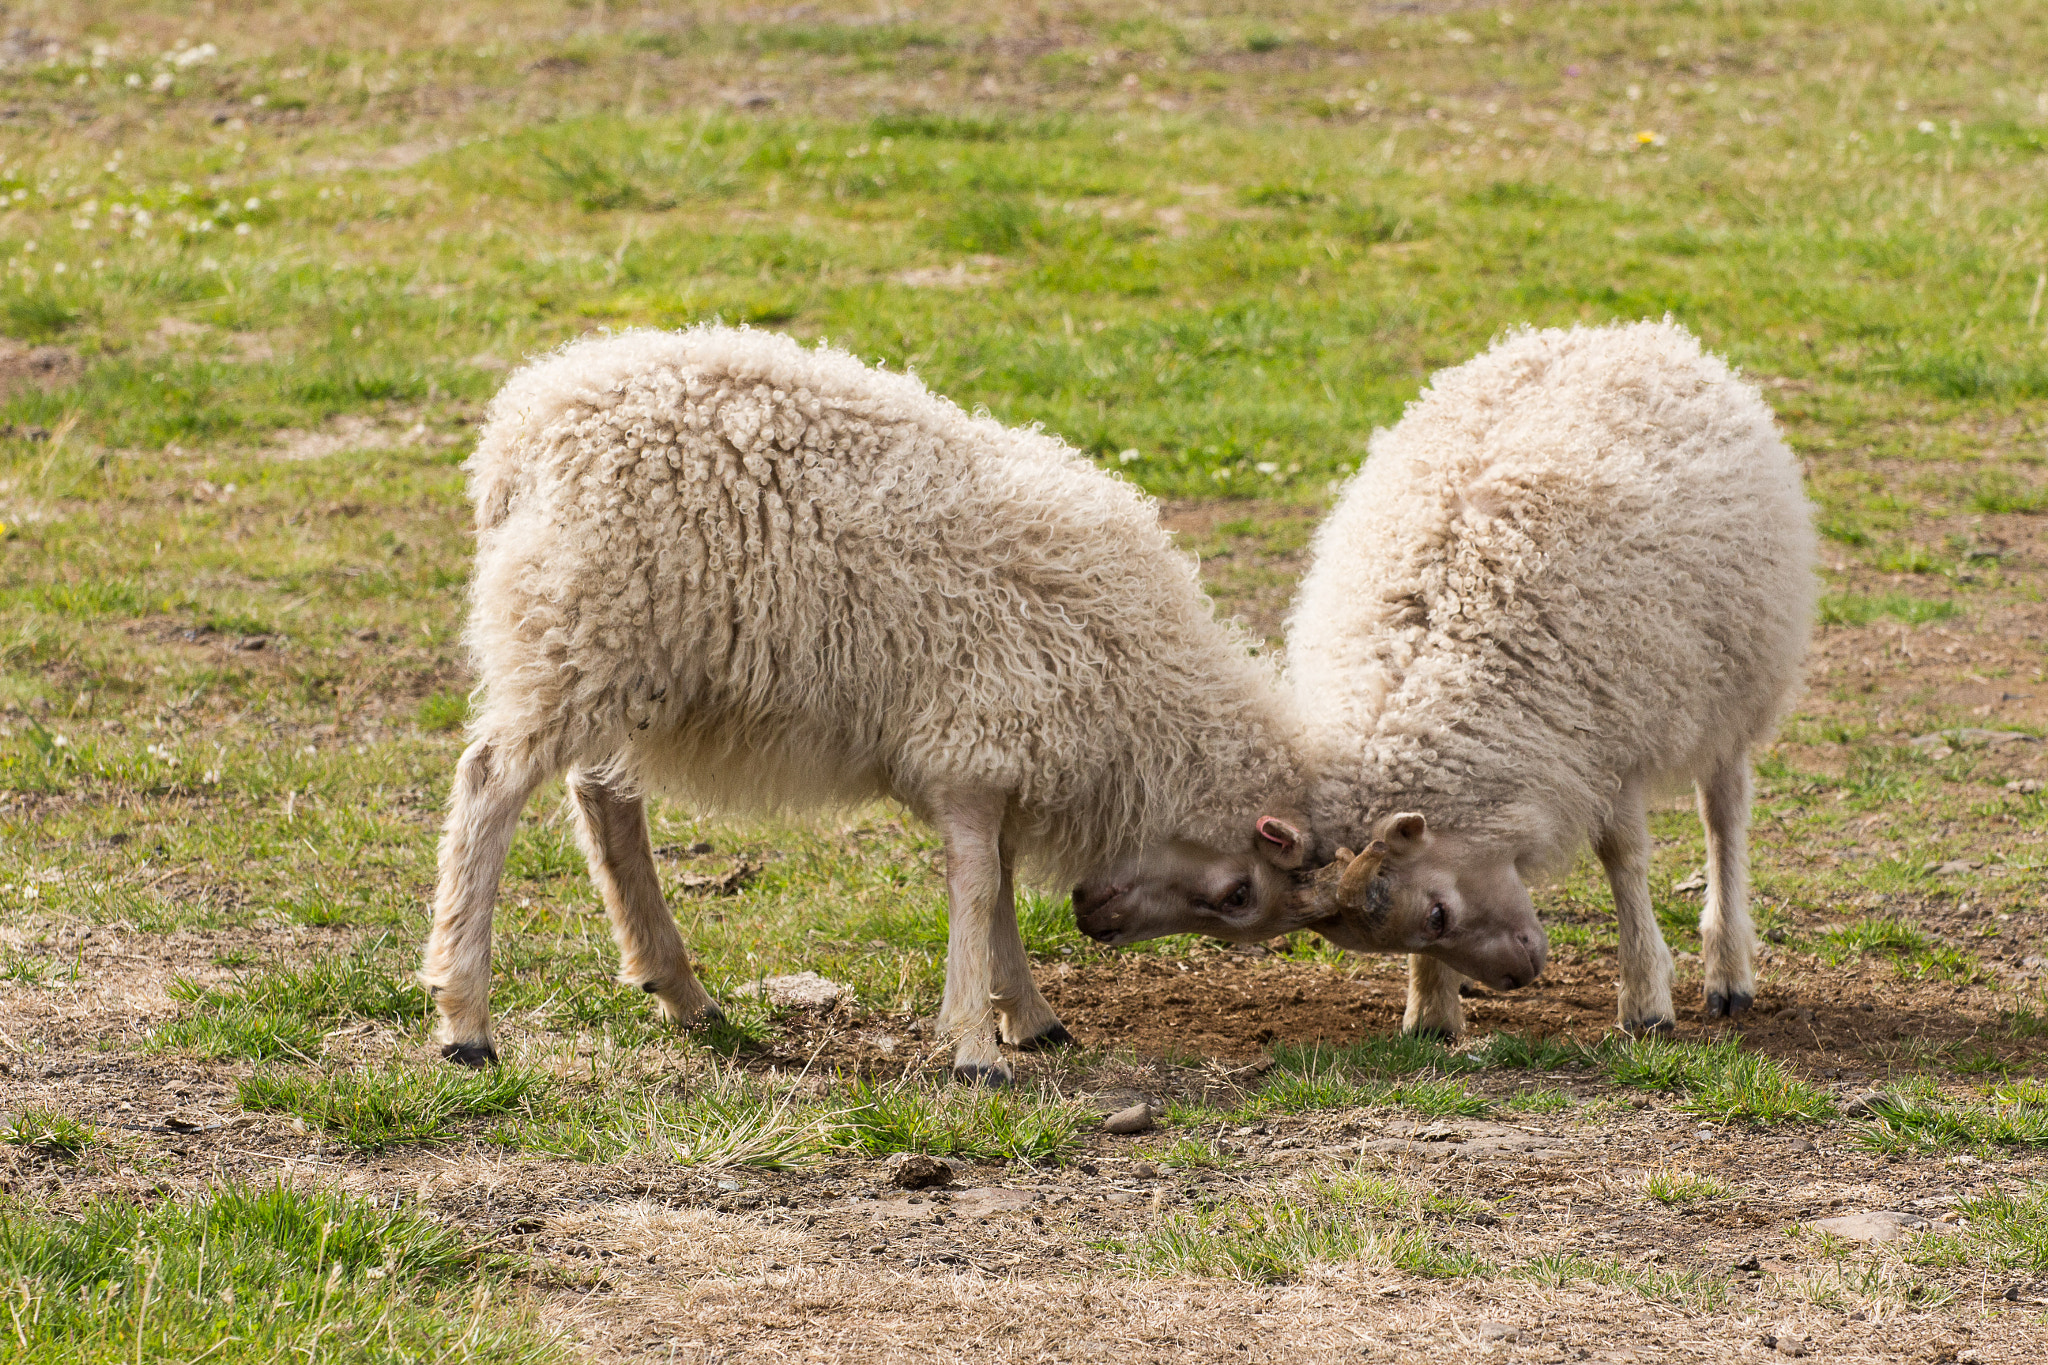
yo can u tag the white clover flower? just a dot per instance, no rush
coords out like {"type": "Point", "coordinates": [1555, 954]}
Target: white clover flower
{"type": "Point", "coordinates": [1267, 467]}
{"type": "Point", "coordinates": [160, 82]}
{"type": "Point", "coordinates": [252, 203]}
{"type": "Point", "coordinates": [1925, 126]}
{"type": "Point", "coordinates": [242, 229]}
{"type": "Point", "coordinates": [134, 79]}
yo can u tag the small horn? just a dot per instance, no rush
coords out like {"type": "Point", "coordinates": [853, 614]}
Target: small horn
{"type": "Point", "coordinates": [1358, 876]}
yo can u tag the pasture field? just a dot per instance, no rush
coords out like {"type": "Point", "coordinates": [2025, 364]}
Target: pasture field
{"type": "Point", "coordinates": [265, 262]}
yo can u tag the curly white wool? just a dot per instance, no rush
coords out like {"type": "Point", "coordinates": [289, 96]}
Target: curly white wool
{"type": "Point", "coordinates": [760, 576]}
{"type": "Point", "coordinates": [1581, 564]}
{"type": "Point", "coordinates": [1583, 554]}
{"type": "Point", "coordinates": [717, 564]}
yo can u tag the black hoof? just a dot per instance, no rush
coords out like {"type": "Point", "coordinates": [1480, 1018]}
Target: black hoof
{"type": "Point", "coordinates": [1056, 1036]}
{"type": "Point", "coordinates": [1640, 1028]}
{"type": "Point", "coordinates": [975, 1074]}
{"type": "Point", "coordinates": [471, 1054]}
{"type": "Point", "coordinates": [1721, 1006]}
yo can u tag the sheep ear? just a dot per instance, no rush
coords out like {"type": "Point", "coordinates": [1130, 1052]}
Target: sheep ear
{"type": "Point", "coordinates": [1403, 833]}
{"type": "Point", "coordinates": [1359, 872]}
{"type": "Point", "coordinates": [1283, 844]}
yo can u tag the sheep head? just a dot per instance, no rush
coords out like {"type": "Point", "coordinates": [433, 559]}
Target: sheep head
{"type": "Point", "coordinates": [1240, 895]}
{"type": "Point", "coordinates": [1413, 890]}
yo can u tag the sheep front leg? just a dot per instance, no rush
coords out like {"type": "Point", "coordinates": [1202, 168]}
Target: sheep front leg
{"type": "Point", "coordinates": [483, 812]}
{"type": "Point", "coordinates": [1027, 1019]}
{"type": "Point", "coordinates": [1727, 938]}
{"type": "Point", "coordinates": [1624, 849]}
{"type": "Point", "coordinates": [972, 828]}
{"type": "Point", "coordinates": [612, 830]}
{"type": "Point", "coordinates": [1433, 1007]}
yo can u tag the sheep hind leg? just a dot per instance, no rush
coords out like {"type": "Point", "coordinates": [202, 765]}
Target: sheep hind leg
{"type": "Point", "coordinates": [1727, 938]}
{"type": "Point", "coordinates": [483, 811]}
{"type": "Point", "coordinates": [612, 830]}
{"type": "Point", "coordinates": [1027, 1021]}
{"type": "Point", "coordinates": [972, 828]}
{"type": "Point", "coordinates": [1624, 849]}
{"type": "Point", "coordinates": [1433, 1007]}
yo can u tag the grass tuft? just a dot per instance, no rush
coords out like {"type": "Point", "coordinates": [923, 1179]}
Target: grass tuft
{"type": "Point", "coordinates": [373, 1110]}
{"type": "Point", "coordinates": [1916, 1118]}
{"type": "Point", "coordinates": [957, 1121]}
{"type": "Point", "coordinates": [1669, 1186]}
{"type": "Point", "coordinates": [49, 1133]}
{"type": "Point", "coordinates": [1273, 1239]}
{"type": "Point", "coordinates": [266, 1015]}
{"type": "Point", "coordinates": [1717, 1080]}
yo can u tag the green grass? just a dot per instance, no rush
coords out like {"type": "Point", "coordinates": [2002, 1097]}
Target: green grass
{"type": "Point", "coordinates": [255, 1274]}
{"type": "Point", "coordinates": [1669, 1186]}
{"type": "Point", "coordinates": [1273, 1239]}
{"type": "Point", "coordinates": [1860, 609]}
{"type": "Point", "coordinates": [718, 1121]}
{"type": "Point", "coordinates": [1916, 1117]}
{"type": "Point", "coordinates": [285, 1013]}
{"type": "Point", "coordinates": [1914, 952]}
{"type": "Point", "coordinates": [1716, 1080]}
{"type": "Point", "coordinates": [47, 1132]}
{"type": "Point", "coordinates": [2001, 1231]}
{"type": "Point", "coordinates": [1392, 1071]}
{"type": "Point", "coordinates": [1699, 1290]}
{"type": "Point", "coordinates": [960, 1121]}
{"type": "Point", "coordinates": [372, 1110]}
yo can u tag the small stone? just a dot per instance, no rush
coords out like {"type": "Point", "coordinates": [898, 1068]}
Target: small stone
{"type": "Point", "coordinates": [1144, 1170]}
{"type": "Point", "coordinates": [1496, 1331]}
{"type": "Point", "coordinates": [1792, 1346]}
{"type": "Point", "coordinates": [1880, 1226]}
{"type": "Point", "coordinates": [1866, 1102]}
{"type": "Point", "coordinates": [1969, 1355]}
{"type": "Point", "coordinates": [916, 1171]}
{"type": "Point", "coordinates": [1136, 1119]}
{"type": "Point", "coordinates": [803, 991]}
{"type": "Point", "coordinates": [2025, 786]}
{"type": "Point", "coordinates": [1749, 1263]}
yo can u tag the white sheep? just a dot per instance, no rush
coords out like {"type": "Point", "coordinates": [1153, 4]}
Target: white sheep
{"type": "Point", "coordinates": [715, 564]}
{"type": "Point", "coordinates": [1580, 566]}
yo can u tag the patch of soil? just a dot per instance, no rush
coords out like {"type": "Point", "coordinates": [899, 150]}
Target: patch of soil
{"type": "Point", "coordinates": [45, 367]}
{"type": "Point", "coordinates": [1235, 1006]}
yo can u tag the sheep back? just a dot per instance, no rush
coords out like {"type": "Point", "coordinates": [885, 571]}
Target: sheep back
{"type": "Point", "coordinates": [1581, 555]}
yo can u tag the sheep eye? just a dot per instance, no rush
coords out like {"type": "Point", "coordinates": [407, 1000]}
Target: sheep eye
{"type": "Point", "coordinates": [1439, 920]}
{"type": "Point", "coordinates": [1236, 899]}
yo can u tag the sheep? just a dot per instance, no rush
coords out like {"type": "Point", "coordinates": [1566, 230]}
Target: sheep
{"type": "Point", "coordinates": [1580, 567]}
{"type": "Point", "coordinates": [715, 564]}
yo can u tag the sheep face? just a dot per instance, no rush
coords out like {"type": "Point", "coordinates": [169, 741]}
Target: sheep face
{"type": "Point", "coordinates": [1416, 891]}
{"type": "Point", "coordinates": [1183, 887]}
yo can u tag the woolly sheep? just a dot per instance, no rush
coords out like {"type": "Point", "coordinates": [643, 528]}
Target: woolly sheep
{"type": "Point", "coordinates": [1579, 567]}
{"type": "Point", "coordinates": [715, 564]}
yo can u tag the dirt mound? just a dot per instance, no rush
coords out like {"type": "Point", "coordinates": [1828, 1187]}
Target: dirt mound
{"type": "Point", "coordinates": [46, 367]}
